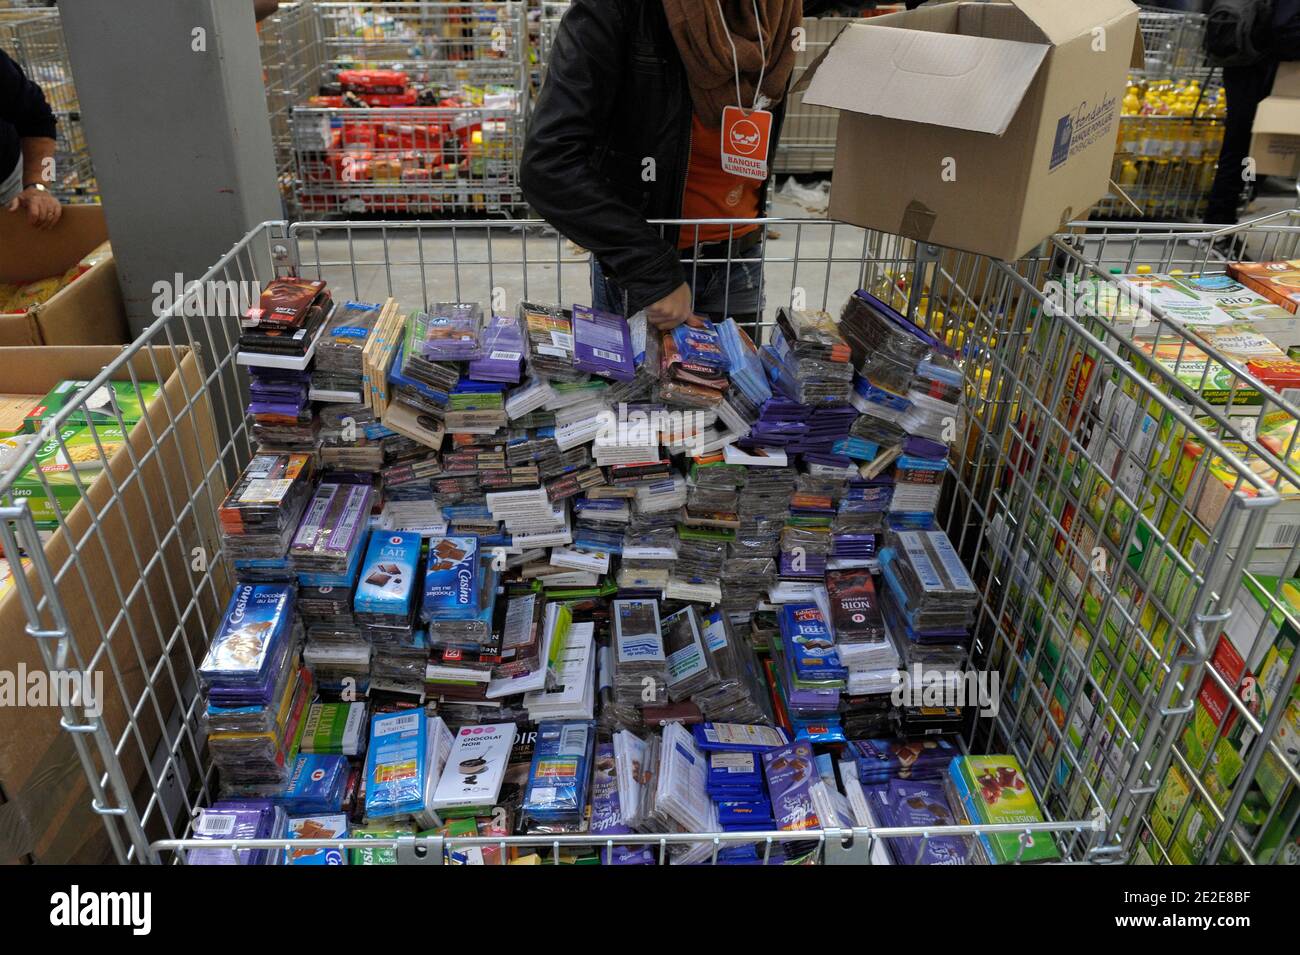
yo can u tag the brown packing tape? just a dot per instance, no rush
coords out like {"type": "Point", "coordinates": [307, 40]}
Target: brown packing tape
{"type": "Point", "coordinates": [34, 750]}
{"type": "Point", "coordinates": [918, 221]}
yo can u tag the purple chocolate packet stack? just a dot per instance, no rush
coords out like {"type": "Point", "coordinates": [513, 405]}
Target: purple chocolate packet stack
{"type": "Point", "coordinates": [238, 819]}
{"type": "Point", "coordinates": [602, 344]}
{"type": "Point", "coordinates": [503, 352]}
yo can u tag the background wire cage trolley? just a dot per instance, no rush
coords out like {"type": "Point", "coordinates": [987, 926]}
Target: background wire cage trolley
{"type": "Point", "coordinates": [1094, 735]}
{"type": "Point", "coordinates": [291, 49]}
{"type": "Point", "coordinates": [34, 38]}
{"type": "Point", "coordinates": [1231, 792]}
{"type": "Point", "coordinates": [449, 143]}
{"type": "Point", "coordinates": [1171, 124]}
{"type": "Point", "coordinates": [807, 143]}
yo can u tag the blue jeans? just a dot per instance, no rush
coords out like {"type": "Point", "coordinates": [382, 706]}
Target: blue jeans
{"type": "Point", "coordinates": [720, 289]}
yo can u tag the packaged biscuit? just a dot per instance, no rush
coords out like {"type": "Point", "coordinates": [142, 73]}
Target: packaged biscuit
{"type": "Point", "coordinates": [68, 464]}
{"type": "Point", "coordinates": [103, 406]}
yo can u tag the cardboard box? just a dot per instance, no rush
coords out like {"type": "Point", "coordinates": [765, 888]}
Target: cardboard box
{"type": "Point", "coordinates": [89, 310]}
{"type": "Point", "coordinates": [45, 803]}
{"type": "Point", "coordinates": [979, 126]}
{"type": "Point", "coordinates": [1275, 138]}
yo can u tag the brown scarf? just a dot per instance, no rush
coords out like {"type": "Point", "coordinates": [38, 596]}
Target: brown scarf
{"type": "Point", "coordinates": [701, 39]}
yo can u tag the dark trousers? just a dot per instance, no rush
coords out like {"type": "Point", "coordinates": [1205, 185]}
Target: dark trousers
{"type": "Point", "coordinates": [1244, 86]}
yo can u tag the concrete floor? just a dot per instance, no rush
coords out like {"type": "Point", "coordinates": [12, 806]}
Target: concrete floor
{"type": "Point", "coordinates": [816, 263]}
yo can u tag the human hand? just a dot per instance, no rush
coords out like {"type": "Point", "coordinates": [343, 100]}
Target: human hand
{"type": "Point", "coordinates": [671, 310]}
{"type": "Point", "coordinates": [43, 210]}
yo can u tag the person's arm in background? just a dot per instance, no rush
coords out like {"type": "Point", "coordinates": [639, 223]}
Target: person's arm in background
{"type": "Point", "coordinates": [264, 8]}
{"type": "Point", "coordinates": [22, 105]}
{"type": "Point", "coordinates": [559, 180]}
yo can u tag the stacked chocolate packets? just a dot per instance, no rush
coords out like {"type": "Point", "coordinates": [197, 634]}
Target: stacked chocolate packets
{"type": "Point", "coordinates": [260, 514]}
{"type": "Point", "coordinates": [929, 604]}
{"type": "Point", "coordinates": [279, 408]}
{"type": "Point", "coordinates": [256, 690]}
{"type": "Point", "coordinates": [736, 779]}
{"type": "Point", "coordinates": [338, 372]}
{"type": "Point", "coordinates": [457, 605]}
{"type": "Point", "coordinates": [861, 638]}
{"type": "Point", "coordinates": [286, 321]}
{"type": "Point", "coordinates": [810, 675]}
{"type": "Point", "coordinates": [808, 359]}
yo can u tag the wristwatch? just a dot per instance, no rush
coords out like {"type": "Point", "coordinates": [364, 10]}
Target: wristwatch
{"type": "Point", "coordinates": [38, 186]}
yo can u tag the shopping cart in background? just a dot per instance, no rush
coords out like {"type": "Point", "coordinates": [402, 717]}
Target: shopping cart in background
{"type": "Point", "coordinates": [1041, 457]}
{"type": "Point", "coordinates": [290, 45]}
{"type": "Point", "coordinates": [551, 13]}
{"type": "Point", "coordinates": [456, 153]}
{"type": "Point", "coordinates": [34, 38]}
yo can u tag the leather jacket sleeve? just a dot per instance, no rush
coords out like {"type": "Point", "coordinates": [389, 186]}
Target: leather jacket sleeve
{"type": "Point", "coordinates": [558, 173]}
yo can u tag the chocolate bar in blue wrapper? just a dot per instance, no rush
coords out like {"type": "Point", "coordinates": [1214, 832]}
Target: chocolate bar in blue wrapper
{"type": "Point", "coordinates": [734, 775]}
{"type": "Point", "coordinates": [809, 646]}
{"type": "Point", "coordinates": [387, 583]}
{"type": "Point", "coordinates": [556, 794]}
{"type": "Point", "coordinates": [922, 803]}
{"type": "Point", "coordinates": [451, 580]}
{"type": "Point", "coordinates": [745, 815]}
{"type": "Point", "coordinates": [790, 774]}
{"type": "Point", "coordinates": [607, 813]}
{"type": "Point", "coordinates": [879, 760]}
{"type": "Point", "coordinates": [396, 764]}
{"type": "Point", "coordinates": [316, 784]}
{"type": "Point", "coordinates": [698, 343]}
{"type": "Point", "coordinates": [257, 619]}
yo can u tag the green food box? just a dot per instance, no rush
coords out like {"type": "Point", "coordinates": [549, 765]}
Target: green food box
{"type": "Point", "coordinates": [100, 404]}
{"type": "Point", "coordinates": [66, 473]}
{"type": "Point", "coordinates": [993, 791]}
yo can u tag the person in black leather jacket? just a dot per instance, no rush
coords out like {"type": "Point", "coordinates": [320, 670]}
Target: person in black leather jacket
{"type": "Point", "coordinates": [612, 138]}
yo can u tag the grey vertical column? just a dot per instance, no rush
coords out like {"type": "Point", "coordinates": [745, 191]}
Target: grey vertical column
{"type": "Point", "coordinates": [175, 115]}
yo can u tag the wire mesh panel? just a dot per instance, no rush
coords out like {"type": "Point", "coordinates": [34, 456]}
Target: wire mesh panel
{"type": "Point", "coordinates": [1230, 794]}
{"type": "Point", "coordinates": [448, 142]}
{"type": "Point", "coordinates": [34, 38]}
{"type": "Point", "coordinates": [807, 142]}
{"type": "Point", "coordinates": [431, 41]}
{"type": "Point", "coordinates": [291, 48]}
{"type": "Point", "coordinates": [1099, 503]}
{"type": "Point", "coordinates": [551, 13]}
{"type": "Point", "coordinates": [123, 569]}
{"type": "Point", "coordinates": [426, 160]}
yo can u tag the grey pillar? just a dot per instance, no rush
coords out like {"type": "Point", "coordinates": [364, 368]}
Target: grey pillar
{"type": "Point", "coordinates": [180, 136]}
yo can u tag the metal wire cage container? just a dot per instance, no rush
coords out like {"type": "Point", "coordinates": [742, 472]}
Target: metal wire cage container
{"type": "Point", "coordinates": [1230, 794]}
{"type": "Point", "coordinates": [1064, 604]}
{"type": "Point", "coordinates": [291, 63]}
{"type": "Point", "coordinates": [34, 39]}
{"type": "Point", "coordinates": [459, 154]}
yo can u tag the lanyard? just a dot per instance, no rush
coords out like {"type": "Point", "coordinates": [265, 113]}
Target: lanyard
{"type": "Point", "coordinates": [735, 59]}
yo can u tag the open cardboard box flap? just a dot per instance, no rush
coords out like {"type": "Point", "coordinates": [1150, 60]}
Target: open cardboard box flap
{"type": "Point", "coordinates": [28, 254]}
{"type": "Point", "coordinates": [905, 66]}
{"type": "Point", "coordinates": [1278, 115]}
{"type": "Point", "coordinates": [944, 79]}
{"type": "Point", "coordinates": [1063, 20]}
